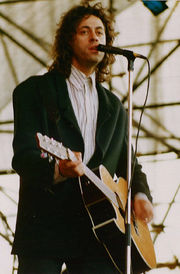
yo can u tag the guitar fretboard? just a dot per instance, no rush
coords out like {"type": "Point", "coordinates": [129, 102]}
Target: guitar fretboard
{"type": "Point", "coordinates": [95, 179]}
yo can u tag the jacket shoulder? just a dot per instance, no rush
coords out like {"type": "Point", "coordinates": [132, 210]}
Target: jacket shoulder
{"type": "Point", "coordinates": [31, 84]}
{"type": "Point", "coordinates": [112, 98]}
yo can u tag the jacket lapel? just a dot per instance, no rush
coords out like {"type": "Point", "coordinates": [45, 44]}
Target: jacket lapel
{"type": "Point", "coordinates": [67, 128]}
{"type": "Point", "coordinates": [104, 126]}
{"type": "Point", "coordinates": [64, 102]}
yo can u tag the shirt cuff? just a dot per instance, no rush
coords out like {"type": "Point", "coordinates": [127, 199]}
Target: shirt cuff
{"type": "Point", "coordinates": [141, 196]}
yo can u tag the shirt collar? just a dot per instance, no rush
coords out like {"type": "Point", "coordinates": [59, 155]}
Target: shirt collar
{"type": "Point", "coordinates": [78, 78]}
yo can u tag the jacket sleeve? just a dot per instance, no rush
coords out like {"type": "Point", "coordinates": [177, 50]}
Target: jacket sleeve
{"type": "Point", "coordinates": [139, 180]}
{"type": "Point", "coordinates": [29, 118]}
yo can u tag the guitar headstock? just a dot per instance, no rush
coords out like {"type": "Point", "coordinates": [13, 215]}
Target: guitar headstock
{"type": "Point", "coordinates": [53, 148]}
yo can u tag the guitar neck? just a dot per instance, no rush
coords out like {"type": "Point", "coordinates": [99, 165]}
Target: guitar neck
{"type": "Point", "coordinates": [99, 184]}
{"type": "Point", "coordinates": [57, 150]}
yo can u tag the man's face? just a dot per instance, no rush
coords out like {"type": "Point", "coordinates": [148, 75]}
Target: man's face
{"type": "Point", "coordinates": [89, 34]}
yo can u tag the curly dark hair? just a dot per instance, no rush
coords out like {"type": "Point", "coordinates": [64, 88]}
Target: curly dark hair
{"type": "Point", "coordinates": [62, 51]}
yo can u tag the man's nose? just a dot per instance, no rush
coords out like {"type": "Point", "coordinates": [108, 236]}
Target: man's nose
{"type": "Point", "coordinates": [94, 36]}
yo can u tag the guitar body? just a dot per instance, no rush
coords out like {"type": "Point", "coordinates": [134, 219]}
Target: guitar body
{"type": "Point", "coordinates": [109, 226]}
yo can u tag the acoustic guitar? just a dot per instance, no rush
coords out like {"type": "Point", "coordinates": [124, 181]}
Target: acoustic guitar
{"type": "Point", "coordinates": [105, 201]}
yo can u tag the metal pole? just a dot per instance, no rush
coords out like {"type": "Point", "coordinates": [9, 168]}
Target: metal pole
{"type": "Point", "coordinates": [129, 164]}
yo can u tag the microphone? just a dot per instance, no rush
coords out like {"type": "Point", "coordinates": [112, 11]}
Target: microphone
{"type": "Point", "coordinates": [114, 50]}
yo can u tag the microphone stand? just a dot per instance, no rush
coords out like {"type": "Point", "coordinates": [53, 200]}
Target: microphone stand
{"type": "Point", "coordinates": [130, 55]}
{"type": "Point", "coordinates": [131, 59]}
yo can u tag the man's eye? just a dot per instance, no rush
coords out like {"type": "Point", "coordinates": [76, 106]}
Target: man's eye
{"type": "Point", "coordinates": [84, 32]}
{"type": "Point", "coordinates": [100, 33]}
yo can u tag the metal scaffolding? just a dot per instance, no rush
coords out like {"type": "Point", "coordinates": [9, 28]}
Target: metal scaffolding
{"type": "Point", "coordinates": [21, 37]}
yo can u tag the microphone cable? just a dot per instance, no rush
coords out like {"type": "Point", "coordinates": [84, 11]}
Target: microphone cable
{"type": "Point", "coordinates": [139, 126]}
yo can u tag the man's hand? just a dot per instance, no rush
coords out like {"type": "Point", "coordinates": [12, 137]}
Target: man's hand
{"type": "Point", "coordinates": [68, 168]}
{"type": "Point", "coordinates": [143, 209]}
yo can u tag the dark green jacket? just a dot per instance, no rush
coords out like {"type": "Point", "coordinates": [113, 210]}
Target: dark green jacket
{"type": "Point", "coordinates": [52, 219]}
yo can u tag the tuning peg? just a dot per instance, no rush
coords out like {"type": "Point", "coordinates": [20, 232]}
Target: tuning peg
{"type": "Point", "coordinates": [50, 158]}
{"type": "Point", "coordinates": [44, 155]}
{"type": "Point", "coordinates": [59, 145]}
{"type": "Point", "coordinates": [57, 161]}
{"type": "Point", "coordinates": [52, 141]}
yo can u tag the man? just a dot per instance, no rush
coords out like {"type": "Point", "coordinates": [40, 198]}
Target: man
{"type": "Point", "coordinates": [69, 104]}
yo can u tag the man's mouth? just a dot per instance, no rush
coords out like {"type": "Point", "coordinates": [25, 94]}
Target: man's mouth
{"type": "Point", "coordinates": [94, 48]}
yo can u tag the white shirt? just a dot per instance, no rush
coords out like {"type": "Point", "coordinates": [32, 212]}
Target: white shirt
{"type": "Point", "coordinates": [84, 98]}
